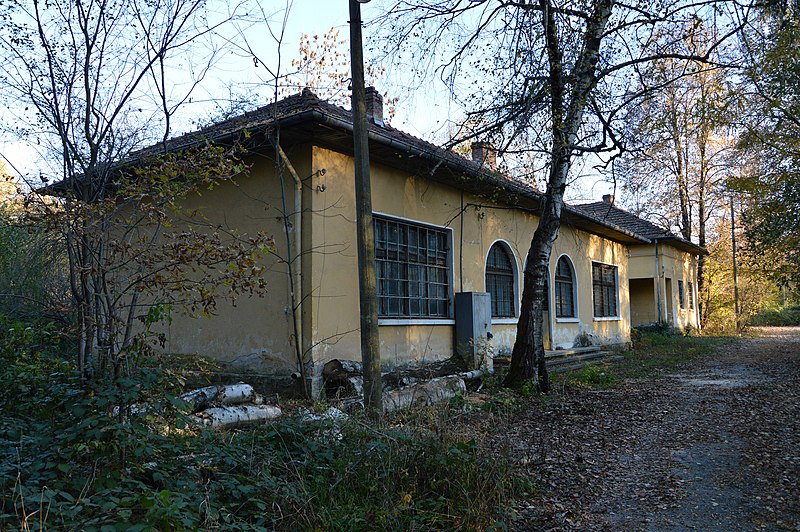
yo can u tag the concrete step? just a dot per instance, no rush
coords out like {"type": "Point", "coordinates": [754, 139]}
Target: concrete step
{"type": "Point", "coordinates": [576, 365]}
{"type": "Point", "coordinates": [572, 359]}
{"type": "Point", "coordinates": [562, 353]}
{"type": "Point", "coordinates": [567, 357]}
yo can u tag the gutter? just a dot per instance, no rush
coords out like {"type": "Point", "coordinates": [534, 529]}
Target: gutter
{"type": "Point", "coordinates": [658, 283]}
{"type": "Point", "coordinates": [409, 148]}
{"type": "Point", "coordinates": [297, 266]}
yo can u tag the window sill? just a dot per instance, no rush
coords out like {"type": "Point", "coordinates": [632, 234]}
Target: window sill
{"type": "Point", "coordinates": [415, 321]}
{"type": "Point", "coordinates": [568, 320]}
{"type": "Point", "coordinates": [504, 321]}
{"type": "Point", "coordinates": [608, 318]}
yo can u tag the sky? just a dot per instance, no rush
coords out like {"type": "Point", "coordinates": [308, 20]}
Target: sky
{"type": "Point", "coordinates": [425, 114]}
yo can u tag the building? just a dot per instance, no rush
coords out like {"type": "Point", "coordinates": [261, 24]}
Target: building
{"type": "Point", "coordinates": [444, 224]}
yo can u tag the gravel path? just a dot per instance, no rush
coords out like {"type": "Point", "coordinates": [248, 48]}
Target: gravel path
{"type": "Point", "coordinates": [714, 446]}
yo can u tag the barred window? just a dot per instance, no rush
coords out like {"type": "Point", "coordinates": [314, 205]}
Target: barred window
{"type": "Point", "coordinates": [604, 290]}
{"type": "Point", "coordinates": [500, 282]}
{"type": "Point", "coordinates": [681, 301]}
{"type": "Point", "coordinates": [691, 295]}
{"type": "Point", "coordinates": [412, 269]}
{"type": "Point", "coordinates": [565, 289]}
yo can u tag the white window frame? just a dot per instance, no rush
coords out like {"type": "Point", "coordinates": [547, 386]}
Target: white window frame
{"type": "Point", "coordinates": [618, 317]}
{"type": "Point", "coordinates": [515, 267]}
{"type": "Point", "coordinates": [575, 302]}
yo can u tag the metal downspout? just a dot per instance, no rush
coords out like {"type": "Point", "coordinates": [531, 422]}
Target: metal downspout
{"type": "Point", "coordinates": [297, 291]}
{"type": "Point", "coordinates": [658, 284]}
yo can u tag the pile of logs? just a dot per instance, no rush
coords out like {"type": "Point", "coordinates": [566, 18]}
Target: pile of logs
{"type": "Point", "coordinates": [231, 405]}
{"type": "Point", "coordinates": [343, 380]}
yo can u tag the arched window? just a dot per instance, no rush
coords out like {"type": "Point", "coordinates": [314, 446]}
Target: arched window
{"type": "Point", "coordinates": [500, 281]}
{"type": "Point", "coordinates": [565, 289]}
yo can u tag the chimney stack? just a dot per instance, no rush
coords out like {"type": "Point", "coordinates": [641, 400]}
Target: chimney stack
{"type": "Point", "coordinates": [608, 198]}
{"type": "Point", "coordinates": [484, 154]}
{"type": "Point", "coordinates": [374, 102]}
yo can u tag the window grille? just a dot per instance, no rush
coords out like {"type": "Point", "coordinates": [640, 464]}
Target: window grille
{"type": "Point", "coordinates": [604, 290]}
{"type": "Point", "coordinates": [500, 282]}
{"type": "Point", "coordinates": [565, 289]}
{"type": "Point", "coordinates": [681, 301]}
{"type": "Point", "coordinates": [412, 269]}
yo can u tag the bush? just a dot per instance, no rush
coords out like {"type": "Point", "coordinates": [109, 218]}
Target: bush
{"type": "Point", "coordinates": [70, 459]}
{"type": "Point", "coordinates": [788, 316]}
{"type": "Point", "coordinates": [33, 277]}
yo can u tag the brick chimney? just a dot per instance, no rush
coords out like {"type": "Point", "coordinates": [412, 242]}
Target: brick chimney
{"type": "Point", "coordinates": [374, 102]}
{"type": "Point", "coordinates": [484, 154]}
{"type": "Point", "coordinates": [608, 198]}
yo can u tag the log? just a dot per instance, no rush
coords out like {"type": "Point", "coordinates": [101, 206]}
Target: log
{"type": "Point", "coordinates": [237, 415]}
{"type": "Point", "coordinates": [230, 394]}
{"type": "Point", "coordinates": [342, 378]}
{"type": "Point", "coordinates": [424, 393]}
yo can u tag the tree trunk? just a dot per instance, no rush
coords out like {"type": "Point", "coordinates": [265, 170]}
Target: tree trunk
{"type": "Point", "coordinates": [567, 105]}
{"type": "Point", "coordinates": [702, 303]}
{"type": "Point", "coordinates": [237, 416]}
{"type": "Point", "coordinates": [680, 174]}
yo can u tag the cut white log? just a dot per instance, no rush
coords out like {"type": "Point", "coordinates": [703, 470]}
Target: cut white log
{"type": "Point", "coordinates": [230, 394]}
{"type": "Point", "coordinates": [424, 393]}
{"type": "Point", "coordinates": [237, 415]}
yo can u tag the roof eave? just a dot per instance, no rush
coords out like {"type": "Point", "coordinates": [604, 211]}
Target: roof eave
{"type": "Point", "coordinates": [683, 245]}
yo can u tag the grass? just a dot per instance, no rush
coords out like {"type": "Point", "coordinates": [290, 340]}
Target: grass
{"type": "Point", "coordinates": [65, 463]}
{"type": "Point", "coordinates": [653, 352]}
{"type": "Point", "coordinates": [595, 376]}
{"type": "Point", "coordinates": [658, 352]}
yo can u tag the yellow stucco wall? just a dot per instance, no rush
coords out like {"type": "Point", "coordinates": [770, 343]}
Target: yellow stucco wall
{"type": "Point", "coordinates": [643, 302]}
{"type": "Point", "coordinates": [256, 333]}
{"type": "Point", "coordinates": [674, 265]}
{"type": "Point", "coordinates": [333, 280]}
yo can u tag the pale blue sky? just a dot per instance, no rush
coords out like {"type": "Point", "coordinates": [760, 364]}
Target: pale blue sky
{"type": "Point", "coordinates": [425, 116]}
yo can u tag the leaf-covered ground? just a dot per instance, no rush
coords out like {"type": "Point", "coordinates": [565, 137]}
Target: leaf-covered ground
{"type": "Point", "coordinates": [711, 445]}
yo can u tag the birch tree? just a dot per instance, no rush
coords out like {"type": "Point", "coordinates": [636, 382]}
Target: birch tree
{"type": "Point", "coordinates": [553, 76]}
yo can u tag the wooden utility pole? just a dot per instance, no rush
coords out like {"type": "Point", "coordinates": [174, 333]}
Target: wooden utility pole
{"type": "Point", "coordinates": [735, 267]}
{"type": "Point", "coordinates": [367, 282]}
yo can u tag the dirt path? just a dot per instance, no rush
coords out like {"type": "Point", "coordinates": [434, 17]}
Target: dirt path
{"type": "Point", "coordinates": [714, 446]}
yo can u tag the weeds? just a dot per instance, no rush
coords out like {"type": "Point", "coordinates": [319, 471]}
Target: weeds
{"type": "Point", "coordinates": [67, 462]}
{"type": "Point", "coordinates": [596, 376]}
{"type": "Point", "coordinates": [657, 352]}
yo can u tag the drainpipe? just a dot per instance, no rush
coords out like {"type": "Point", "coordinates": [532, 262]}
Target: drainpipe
{"type": "Point", "coordinates": [297, 266]}
{"type": "Point", "coordinates": [658, 283]}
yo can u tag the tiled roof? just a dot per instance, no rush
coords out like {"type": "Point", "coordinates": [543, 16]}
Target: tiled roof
{"type": "Point", "coordinates": [262, 117]}
{"type": "Point", "coordinates": [609, 212]}
{"type": "Point", "coordinates": [595, 217]}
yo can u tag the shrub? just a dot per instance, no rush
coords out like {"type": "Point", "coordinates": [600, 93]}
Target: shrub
{"type": "Point", "coordinates": [71, 459]}
{"type": "Point", "coordinates": [788, 316]}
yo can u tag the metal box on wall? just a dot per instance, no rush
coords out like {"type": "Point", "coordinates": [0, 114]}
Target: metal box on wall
{"type": "Point", "coordinates": [473, 313]}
